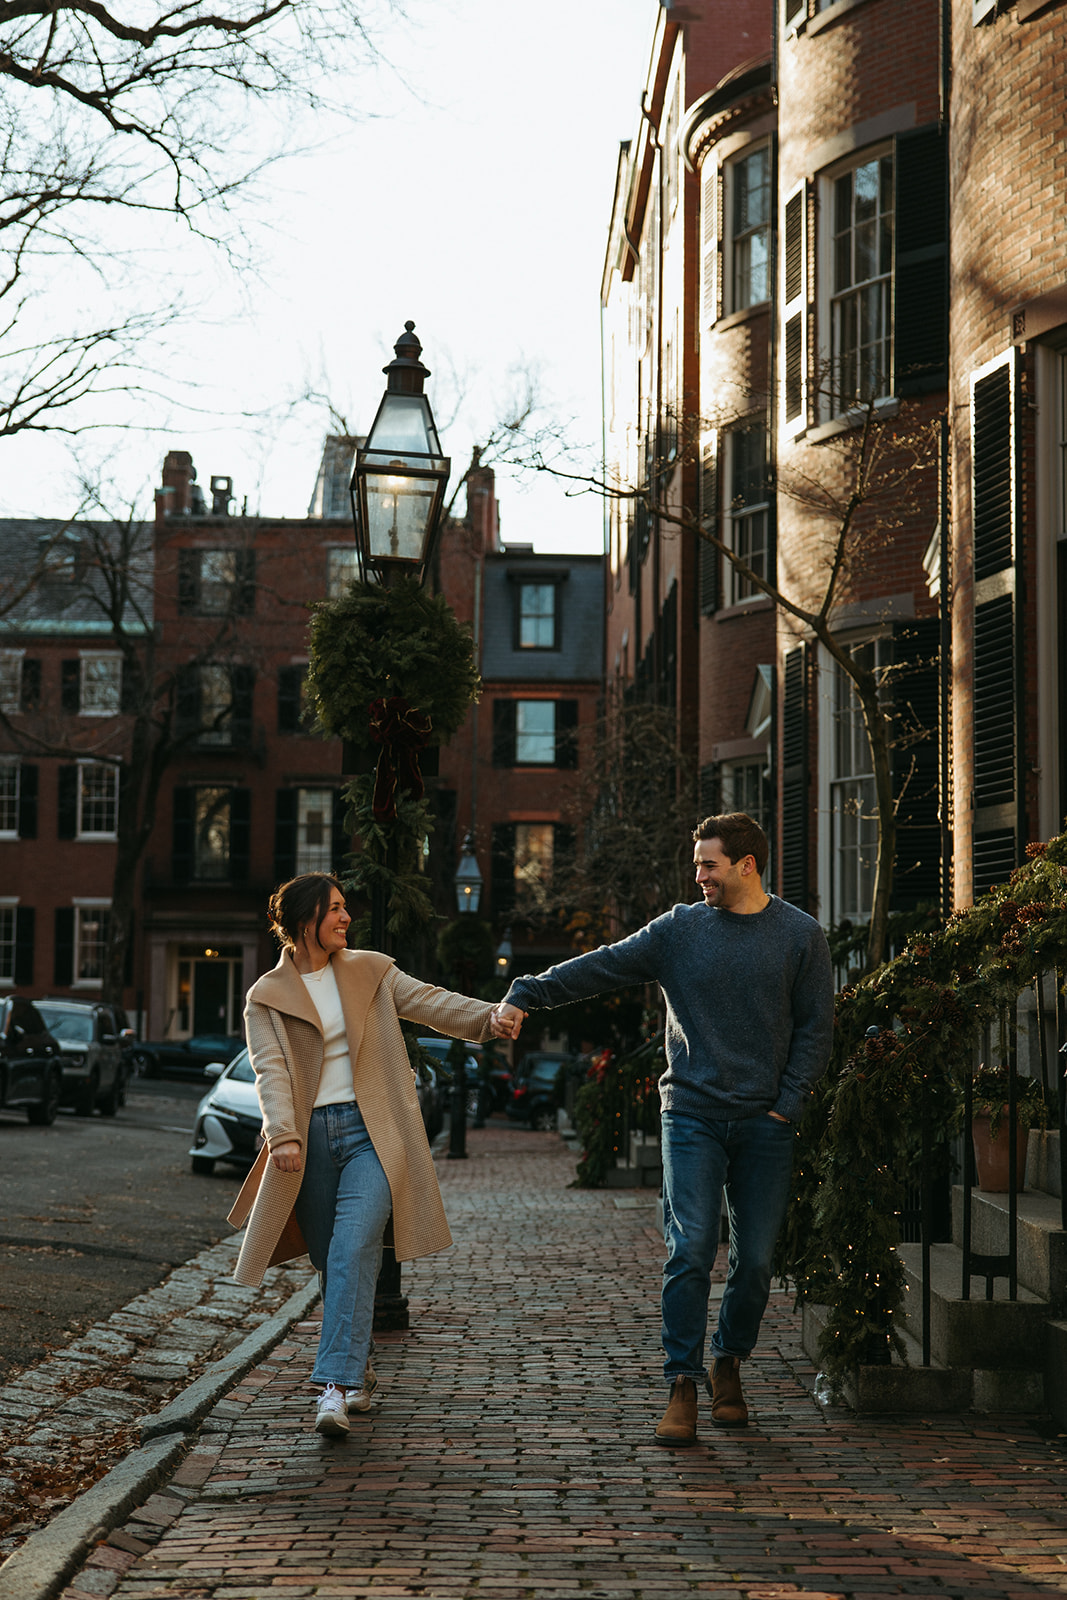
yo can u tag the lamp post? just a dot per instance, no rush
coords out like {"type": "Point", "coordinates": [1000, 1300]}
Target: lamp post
{"type": "Point", "coordinates": [468, 884]}
{"type": "Point", "coordinates": [397, 489]}
{"type": "Point", "coordinates": [504, 955]}
{"type": "Point", "coordinates": [398, 485]}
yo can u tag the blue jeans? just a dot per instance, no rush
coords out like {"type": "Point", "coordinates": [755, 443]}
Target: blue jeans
{"type": "Point", "coordinates": [342, 1208]}
{"type": "Point", "coordinates": [752, 1160]}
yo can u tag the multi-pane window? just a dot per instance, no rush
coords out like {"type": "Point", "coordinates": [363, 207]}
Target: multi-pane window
{"type": "Point", "coordinates": [340, 569]}
{"type": "Point", "coordinates": [8, 925]}
{"type": "Point", "coordinates": [747, 508]}
{"type": "Point", "coordinates": [216, 705]}
{"type": "Point", "coordinates": [98, 800]}
{"type": "Point", "coordinates": [750, 229]}
{"type": "Point", "coordinates": [314, 830]}
{"type": "Point", "coordinates": [211, 833]}
{"type": "Point", "coordinates": [537, 616]}
{"type": "Point", "coordinates": [10, 680]}
{"type": "Point", "coordinates": [744, 787]}
{"type": "Point", "coordinates": [535, 733]}
{"type": "Point", "coordinates": [862, 283]}
{"type": "Point", "coordinates": [534, 853]}
{"type": "Point", "coordinates": [853, 802]}
{"type": "Point", "coordinates": [91, 919]}
{"type": "Point", "coordinates": [101, 684]}
{"type": "Point", "coordinates": [9, 798]}
{"type": "Point", "coordinates": [216, 582]}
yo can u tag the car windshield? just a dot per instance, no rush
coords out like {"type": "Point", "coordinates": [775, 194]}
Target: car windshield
{"type": "Point", "coordinates": [210, 1041]}
{"type": "Point", "coordinates": [241, 1070]}
{"type": "Point", "coordinates": [74, 1025]}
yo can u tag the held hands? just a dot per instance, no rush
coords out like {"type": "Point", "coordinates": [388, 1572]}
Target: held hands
{"type": "Point", "coordinates": [287, 1157]}
{"type": "Point", "coordinates": [506, 1021]}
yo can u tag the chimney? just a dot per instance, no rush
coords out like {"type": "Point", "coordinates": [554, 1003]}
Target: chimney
{"type": "Point", "coordinates": [221, 495]}
{"type": "Point", "coordinates": [482, 505]}
{"type": "Point", "coordinates": [175, 498]}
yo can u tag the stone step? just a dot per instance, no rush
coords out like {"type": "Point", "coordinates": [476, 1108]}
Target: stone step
{"type": "Point", "coordinates": [1043, 1161]}
{"type": "Point", "coordinates": [975, 1333]}
{"type": "Point", "coordinates": [1040, 1238]}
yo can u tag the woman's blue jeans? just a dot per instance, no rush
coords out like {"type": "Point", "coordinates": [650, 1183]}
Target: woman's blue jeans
{"type": "Point", "coordinates": [752, 1162]}
{"type": "Point", "coordinates": [342, 1208]}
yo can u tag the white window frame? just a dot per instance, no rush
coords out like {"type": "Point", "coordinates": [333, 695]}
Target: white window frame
{"type": "Point", "coordinates": [739, 523]}
{"type": "Point", "coordinates": [539, 618]}
{"type": "Point", "coordinates": [832, 301]}
{"type": "Point", "coordinates": [11, 691]}
{"type": "Point", "coordinates": [84, 800]}
{"type": "Point", "coordinates": [734, 237]}
{"type": "Point", "coordinates": [91, 661]}
{"type": "Point", "coordinates": [314, 855]}
{"type": "Point", "coordinates": [83, 920]}
{"type": "Point", "coordinates": [11, 764]}
{"type": "Point", "coordinates": [533, 711]}
{"type": "Point", "coordinates": [844, 828]}
{"type": "Point", "coordinates": [9, 933]}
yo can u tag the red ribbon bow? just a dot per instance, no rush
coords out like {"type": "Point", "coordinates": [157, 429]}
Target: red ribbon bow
{"type": "Point", "coordinates": [402, 732]}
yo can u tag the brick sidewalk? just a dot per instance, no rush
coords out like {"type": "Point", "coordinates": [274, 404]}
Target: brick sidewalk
{"type": "Point", "coordinates": [510, 1453]}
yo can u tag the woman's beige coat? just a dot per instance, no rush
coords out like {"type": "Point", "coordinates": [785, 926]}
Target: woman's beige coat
{"type": "Point", "coordinates": [286, 1046]}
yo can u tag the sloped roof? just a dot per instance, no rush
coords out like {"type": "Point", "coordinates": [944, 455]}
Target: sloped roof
{"type": "Point", "coordinates": [52, 579]}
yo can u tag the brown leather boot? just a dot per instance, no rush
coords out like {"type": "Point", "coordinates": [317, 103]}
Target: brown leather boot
{"type": "Point", "coordinates": [678, 1425]}
{"type": "Point", "coordinates": [728, 1408]}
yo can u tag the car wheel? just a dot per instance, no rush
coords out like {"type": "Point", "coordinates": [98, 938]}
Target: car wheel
{"type": "Point", "coordinates": [203, 1166]}
{"type": "Point", "coordinates": [85, 1099]}
{"type": "Point", "coordinates": [116, 1096]}
{"type": "Point", "coordinates": [543, 1120]}
{"type": "Point", "coordinates": [144, 1064]}
{"type": "Point", "coordinates": [43, 1115]}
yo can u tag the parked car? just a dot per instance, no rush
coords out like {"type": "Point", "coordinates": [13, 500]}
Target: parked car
{"type": "Point", "coordinates": [30, 1073]}
{"type": "Point", "coordinates": [439, 1049]}
{"type": "Point", "coordinates": [91, 1039]}
{"type": "Point", "coordinates": [229, 1122]}
{"type": "Point", "coordinates": [537, 1091]}
{"type": "Point", "coordinates": [155, 1057]}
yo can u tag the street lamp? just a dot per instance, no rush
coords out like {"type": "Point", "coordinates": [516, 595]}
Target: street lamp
{"type": "Point", "coordinates": [468, 880]}
{"type": "Point", "coordinates": [398, 485]}
{"type": "Point", "coordinates": [504, 955]}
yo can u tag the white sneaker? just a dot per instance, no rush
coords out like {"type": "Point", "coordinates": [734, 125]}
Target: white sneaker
{"type": "Point", "coordinates": [359, 1399]}
{"type": "Point", "coordinates": [331, 1417]}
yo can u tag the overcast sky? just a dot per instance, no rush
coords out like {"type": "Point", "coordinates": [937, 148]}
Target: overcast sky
{"type": "Point", "coordinates": [473, 197]}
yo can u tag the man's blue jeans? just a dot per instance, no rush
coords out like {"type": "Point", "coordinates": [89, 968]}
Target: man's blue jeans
{"type": "Point", "coordinates": [342, 1209]}
{"type": "Point", "coordinates": [752, 1161]}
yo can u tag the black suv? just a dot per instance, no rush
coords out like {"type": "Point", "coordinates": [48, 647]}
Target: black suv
{"type": "Point", "coordinates": [30, 1073]}
{"type": "Point", "coordinates": [92, 1037]}
{"type": "Point", "coordinates": [536, 1091]}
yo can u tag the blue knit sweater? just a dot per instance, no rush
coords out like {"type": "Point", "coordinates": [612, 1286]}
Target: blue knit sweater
{"type": "Point", "coordinates": [750, 1003]}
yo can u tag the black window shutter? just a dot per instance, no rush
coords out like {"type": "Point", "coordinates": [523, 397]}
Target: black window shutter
{"type": "Point", "coordinates": [285, 823]}
{"type": "Point", "coordinates": [129, 701]}
{"type": "Point", "coordinates": [794, 850]}
{"type": "Point", "coordinates": [188, 581]}
{"type": "Point", "coordinates": [24, 925]}
{"type": "Point", "coordinates": [30, 687]}
{"type": "Point", "coordinates": [710, 789]}
{"type": "Point", "coordinates": [917, 872]}
{"type": "Point", "coordinates": [993, 859]}
{"type": "Point", "coordinates": [994, 702]}
{"type": "Point", "coordinates": [68, 802]}
{"type": "Point", "coordinates": [920, 275]}
{"type": "Point", "coordinates": [567, 733]}
{"type": "Point", "coordinates": [793, 309]}
{"type": "Point", "coordinates": [243, 679]}
{"type": "Point", "coordinates": [187, 701]}
{"type": "Point", "coordinates": [290, 692]}
{"type": "Point", "coordinates": [342, 838]}
{"type": "Point", "coordinates": [240, 834]}
{"type": "Point", "coordinates": [182, 834]}
{"type": "Point", "coordinates": [28, 776]}
{"type": "Point", "coordinates": [70, 682]}
{"type": "Point", "coordinates": [709, 558]}
{"type": "Point", "coordinates": [564, 838]}
{"type": "Point", "coordinates": [244, 598]}
{"type": "Point", "coordinates": [63, 949]}
{"type": "Point", "coordinates": [127, 964]}
{"type": "Point", "coordinates": [502, 871]}
{"type": "Point", "coordinates": [503, 733]}
{"type": "Point", "coordinates": [991, 458]}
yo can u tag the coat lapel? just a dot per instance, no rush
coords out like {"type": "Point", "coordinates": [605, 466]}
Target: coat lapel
{"type": "Point", "coordinates": [283, 989]}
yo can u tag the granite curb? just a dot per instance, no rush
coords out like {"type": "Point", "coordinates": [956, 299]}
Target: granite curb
{"type": "Point", "coordinates": [38, 1569]}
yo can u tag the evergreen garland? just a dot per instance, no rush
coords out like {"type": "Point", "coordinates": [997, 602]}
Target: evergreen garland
{"type": "Point", "coordinates": [859, 1140]}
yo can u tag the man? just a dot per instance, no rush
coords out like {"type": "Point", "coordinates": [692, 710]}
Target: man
{"type": "Point", "coordinates": [749, 992]}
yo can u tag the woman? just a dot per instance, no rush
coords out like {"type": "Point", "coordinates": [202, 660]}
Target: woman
{"type": "Point", "coordinates": [344, 1142]}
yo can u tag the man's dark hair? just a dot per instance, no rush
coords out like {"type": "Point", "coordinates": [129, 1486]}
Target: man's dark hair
{"type": "Point", "coordinates": [739, 834]}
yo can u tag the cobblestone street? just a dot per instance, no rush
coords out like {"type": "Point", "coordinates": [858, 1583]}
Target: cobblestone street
{"type": "Point", "coordinates": [509, 1451]}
